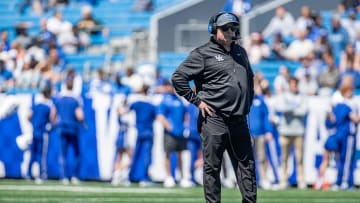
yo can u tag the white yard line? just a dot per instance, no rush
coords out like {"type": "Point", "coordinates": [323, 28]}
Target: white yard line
{"type": "Point", "coordinates": [113, 199]}
{"type": "Point", "coordinates": [90, 189]}
{"type": "Point", "coordinates": [158, 200]}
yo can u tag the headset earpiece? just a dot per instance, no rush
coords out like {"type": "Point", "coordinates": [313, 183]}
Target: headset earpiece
{"type": "Point", "coordinates": [212, 23]}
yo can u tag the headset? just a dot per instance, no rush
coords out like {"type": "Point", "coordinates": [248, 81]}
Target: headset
{"type": "Point", "coordinates": [212, 23]}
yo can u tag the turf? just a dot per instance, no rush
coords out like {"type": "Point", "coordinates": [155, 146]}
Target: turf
{"type": "Point", "coordinates": [87, 192]}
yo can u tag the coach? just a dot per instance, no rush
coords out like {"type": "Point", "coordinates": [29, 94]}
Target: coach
{"type": "Point", "coordinates": [224, 91]}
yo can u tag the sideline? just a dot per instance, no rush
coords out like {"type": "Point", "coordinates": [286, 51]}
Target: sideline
{"type": "Point", "coordinates": [89, 189]}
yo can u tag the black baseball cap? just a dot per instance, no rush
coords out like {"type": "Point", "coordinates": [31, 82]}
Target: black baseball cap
{"type": "Point", "coordinates": [226, 18]}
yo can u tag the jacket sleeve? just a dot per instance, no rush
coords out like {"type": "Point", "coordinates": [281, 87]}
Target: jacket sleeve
{"type": "Point", "coordinates": [250, 74]}
{"type": "Point", "coordinates": [189, 70]}
{"type": "Point", "coordinates": [251, 83]}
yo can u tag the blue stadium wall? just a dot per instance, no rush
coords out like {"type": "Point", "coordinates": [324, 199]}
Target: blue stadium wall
{"type": "Point", "coordinates": [97, 142]}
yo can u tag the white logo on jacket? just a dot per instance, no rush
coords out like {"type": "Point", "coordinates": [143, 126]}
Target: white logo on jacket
{"type": "Point", "coordinates": [219, 57]}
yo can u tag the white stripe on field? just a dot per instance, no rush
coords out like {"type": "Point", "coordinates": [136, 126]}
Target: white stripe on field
{"type": "Point", "coordinates": [89, 189]}
{"type": "Point", "coordinates": [106, 199]}
{"type": "Point", "coordinates": [159, 200]}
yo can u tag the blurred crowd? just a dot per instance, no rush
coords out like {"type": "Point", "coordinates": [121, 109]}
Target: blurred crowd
{"type": "Point", "coordinates": [326, 54]}
{"type": "Point", "coordinates": [39, 51]}
{"type": "Point", "coordinates": [329, 58]}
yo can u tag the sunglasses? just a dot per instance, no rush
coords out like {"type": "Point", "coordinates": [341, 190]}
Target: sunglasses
{"type": "Point", "coordinates": [225, 28]}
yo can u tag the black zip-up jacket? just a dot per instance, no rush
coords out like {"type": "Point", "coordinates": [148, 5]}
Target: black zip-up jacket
{"type": "Point", "coordinates": [223, 80]}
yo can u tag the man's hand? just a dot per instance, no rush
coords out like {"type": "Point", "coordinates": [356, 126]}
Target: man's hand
{"type": "Point", "coordinates": [206, 109]}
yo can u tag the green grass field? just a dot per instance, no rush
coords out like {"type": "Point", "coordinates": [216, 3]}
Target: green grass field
{"type": "Point", "coordinates": [87, 192]}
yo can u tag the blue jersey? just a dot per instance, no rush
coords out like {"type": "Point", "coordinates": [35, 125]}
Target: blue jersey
{"type": "Point", "coordinates": [5, 75]}
{"type": "Point", "coordinates": [342, 127]}
{"type": "Point", "coordinates": [122, 89]}
{"type": "Point", "coordinates": [145, 116]}
{"type": "Point", "coordinates": [343, 142]}
{"type": "Point", "coordinates": [343, 124]}
{"type": "Point", "coordinates": [40, 117]}
{"type": "Point", "coordinates": [173, 109]}
{"type": "Point", "coordinates": [66, 106]}
{"type": "Point", "coordinates": [259, 123]}
{"type": "Point", "coordinates": [193, 112]}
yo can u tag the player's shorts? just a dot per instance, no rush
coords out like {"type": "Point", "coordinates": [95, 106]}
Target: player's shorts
{"type": "Point", "coordinates": [332, 143]}
{"type": "Point", "coordinates": [174, 144]}
{"type": "Point", "coordinates": [120, 141]}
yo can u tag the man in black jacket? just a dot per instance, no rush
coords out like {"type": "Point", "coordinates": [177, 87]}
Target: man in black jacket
{"type": "Point", "coordinates": [224, 91]}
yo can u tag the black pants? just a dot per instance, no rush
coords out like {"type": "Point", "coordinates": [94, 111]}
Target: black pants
{"type": "Point", "coordinates": [232, 134]}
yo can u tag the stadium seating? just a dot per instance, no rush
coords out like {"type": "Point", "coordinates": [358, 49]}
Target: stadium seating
{"type": "Point", "coordinates": [91, 61]}
{"type": "Point", "coordinates": [117, 15]}
{"type": "Point", "coordinates": [271, 66]}
{"type": "Point", "coordinates": [121, 20]}
{"type": "Point", "coordinates": [169, 61]}
{"type": "Point", "coordinates": [326, 17]}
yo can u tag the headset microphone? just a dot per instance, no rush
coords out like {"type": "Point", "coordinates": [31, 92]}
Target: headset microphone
{"type": "Point", "coordinates": [235, 38]}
